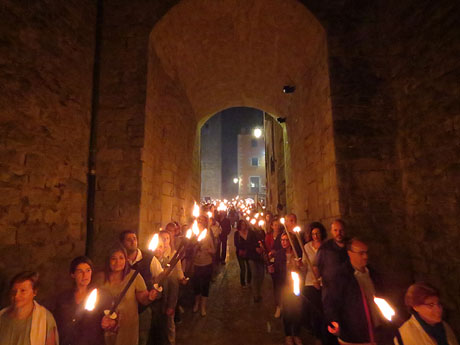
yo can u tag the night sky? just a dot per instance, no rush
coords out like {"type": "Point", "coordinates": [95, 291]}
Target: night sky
{"type": "Point", "coordinates": [233, 120]}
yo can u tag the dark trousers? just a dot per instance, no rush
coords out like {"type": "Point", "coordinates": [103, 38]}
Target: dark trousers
{"type": "Point", "coordinates": [158, 329]}
{"type": "Point", "coordinates": [313, 311]}
{"type": "Point", "coordinates": [292, 314]}
{"type": "Point", "coordinates": [245, 271]}
{"type": "Point", "coordinates": [201, 279]}
{"type": "Point", "coordinates": [222, 248]}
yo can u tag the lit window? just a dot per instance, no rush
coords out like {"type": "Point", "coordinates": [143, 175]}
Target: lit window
{"type": "Point", "coordinates": [255, 161]}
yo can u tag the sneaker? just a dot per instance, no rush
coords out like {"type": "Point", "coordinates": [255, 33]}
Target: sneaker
{"type": "Point", "coordinates": [277, 313]}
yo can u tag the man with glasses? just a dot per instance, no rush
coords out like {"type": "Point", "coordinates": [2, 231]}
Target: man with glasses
{"type": "Point", "coordinates": [348, 302]}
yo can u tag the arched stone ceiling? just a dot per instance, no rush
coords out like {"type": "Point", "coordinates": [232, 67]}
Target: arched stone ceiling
{"type": "Point", "coordinates": [225, 53]}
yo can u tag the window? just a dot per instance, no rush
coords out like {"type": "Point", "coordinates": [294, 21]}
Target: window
{"type": "Point", "coordinates": [254, 184]}
{"type": "Point", "coordinates": [255, 161]}
{"type": "Point", "coordinates": [253, 143]}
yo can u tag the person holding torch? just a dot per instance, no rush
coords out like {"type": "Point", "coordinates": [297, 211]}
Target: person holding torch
{"type": "Point", "coordinates": [77, 322]}
{"type": "Point", "coordinates": [286, 262]}
{"type": "Point", "coordinates": [117, 275]}
{"type": "Point", "coordinates": [202, 263]}
{"type": "Point", "coordinates": [348, 302]}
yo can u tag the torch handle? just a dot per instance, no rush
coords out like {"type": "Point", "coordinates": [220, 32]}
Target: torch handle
{"type": "Point", "coordinates": [292, 244]}
{"type": "Point", "coordinates": [310, 266]}
{"type": "Point", "coordinates": [174, 260]}
{"type": "Point", "coordinates": [123, 292]}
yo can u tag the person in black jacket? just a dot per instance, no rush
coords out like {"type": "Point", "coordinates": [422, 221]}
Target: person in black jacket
{"type": "Point", "coordinates": [348, 302]}
{"type": "Point", "coordinates": [242, 248]}
{"type": "Point", "coordinates": [226, 229]}
{"type": "Point", "coordinates": [77, 326]}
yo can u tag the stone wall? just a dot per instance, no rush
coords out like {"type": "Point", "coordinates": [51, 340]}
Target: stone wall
{"type": "Point", "coordinates": [170, 156]}
{"type": "Point", "coordinates": [425, 79]}
{"type": "Point", "coordinates": [121, 118]}
{"type": "Point", "coordinates": [46, 59]}
{"type": "Point", "coordinates": [395, 109]}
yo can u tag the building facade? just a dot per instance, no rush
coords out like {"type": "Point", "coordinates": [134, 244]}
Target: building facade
{"type": "Point", "coordinates": [251, 166]}
{"type": "Point", "coordinates": [211, 158]}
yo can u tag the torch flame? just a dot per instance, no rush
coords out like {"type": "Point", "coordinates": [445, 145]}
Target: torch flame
{"type": "Point", "coordinates": [386, 310]}
{"type": "Point", "coordinates": [296, 283]}
{"type": "Point", "coordinates": [189, 234]}
{"type": "Point", "coordinates": [253, 221]}
{"type": "Point", "coordinates": [154, 242]}
{"type": "Point", "coordinates": [196, 210]}
{"type": "Point", "coordinates": [282, 220]}
{"type": "Point", "coordinates": [91, 300]}
{"type": "Point", "coordinates": [261, 222]}
{"type": "Point", "coordinates": [296, 229]}
{"type": "Point", "coordinates": [202, 235]}
{"type": "Point", "coordinates": [195, 229]}
{"type": "Point", "coordinates": [222, 207]}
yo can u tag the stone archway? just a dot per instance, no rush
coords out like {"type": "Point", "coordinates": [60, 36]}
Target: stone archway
{"type": "Point", "coordinates": [207, 56]}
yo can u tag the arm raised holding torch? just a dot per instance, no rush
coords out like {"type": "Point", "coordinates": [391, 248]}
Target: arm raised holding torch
{"type": "Point", "coordinates": [118, 271]}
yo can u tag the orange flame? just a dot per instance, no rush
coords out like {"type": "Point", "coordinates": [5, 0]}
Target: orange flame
{"type": "Point", "coordinates": [154, 242]}
{"type": "Point", "coordinates": [91, 300]}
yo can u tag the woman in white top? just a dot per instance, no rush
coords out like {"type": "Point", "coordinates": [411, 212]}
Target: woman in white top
{"type": "Point", "coordinates": [314, 237]}
{"type": "Point", "coordinates": [425, 327]}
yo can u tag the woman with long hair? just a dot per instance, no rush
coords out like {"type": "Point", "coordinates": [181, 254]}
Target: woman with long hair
{"type": "Point", "coordinates": [25, 321]}
{"type": "Point", "coordinates": [76, 325]}
{"type": "Point", "coordinates": [425, 327]}
{"type": "Point", "coordinates": [314, 236]}
{"type": "Point", "coordinates": [202, 268]}
{"type": "Point", "coordinates": [285, 263]}
{"type": "Point", "coordinates": [272, 245]}
{"type": "Point", "coordinates": [240, 241]}
{"type": "Point", "coordinates": [116, 275]}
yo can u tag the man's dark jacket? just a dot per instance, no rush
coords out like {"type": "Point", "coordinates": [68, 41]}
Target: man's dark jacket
{"type": "Point", "coordinates": [343, 303]}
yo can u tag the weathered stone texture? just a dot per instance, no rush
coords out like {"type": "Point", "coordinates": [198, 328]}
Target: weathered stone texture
{"type": "Point", "coordinates": [46, 61]}
{"type": "Point", "coordinates": [425, 77]}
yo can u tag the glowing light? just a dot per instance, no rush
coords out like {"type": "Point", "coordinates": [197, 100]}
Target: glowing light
{"type": "Point", "coordinates": [386, 310]}
{"type": "Point", "coordinates": [209, 214]}
{"type": "Point", "coordinates": [195, 229]}
{"type": "Point", "coordinates": [257, 132]}
{"type": "Point", "coordinates": [256, 216]}
{"type": "Point", "coordinates": [189, 234]}
{"type": "Point", "coordinates": [222, 207]}
{"type": "Point", "coordinates": [261, 222]}
{"type": "Point", "coordinates": [202, 235]}
{"type": "Point", "coordinates": [196, 210]}
{"type": "Point", "coordinates": [282, 220]}
{"type": "Point", "coordinates": [247, 218]}
{"type": "Point", "coordinates": [296, 229]}
{"type": "Point", "coordinates": [253, 221]}
{"type": "Point", "coordinates": [154, 242]}
{"type": "Point", "coordinates": [235, 180]}
{"type": "Point", "coordinates": [91, 300]}
{"type": "Point", "coordinates": [295, 283]}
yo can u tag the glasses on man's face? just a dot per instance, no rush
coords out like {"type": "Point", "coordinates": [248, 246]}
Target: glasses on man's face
{"type": "Point", "coordinates": [284, 240]}
{"type": "Point", "coordinates": [432, 305]}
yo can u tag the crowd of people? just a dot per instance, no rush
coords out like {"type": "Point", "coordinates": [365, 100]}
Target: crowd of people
{"type": "Point", "coordinates": [139, 292]}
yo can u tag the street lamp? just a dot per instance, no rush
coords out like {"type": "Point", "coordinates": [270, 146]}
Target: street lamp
{"type": "Point", "coordinates": [257, 132]}
{"type": "Point", "coordinates": [236, 180]}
